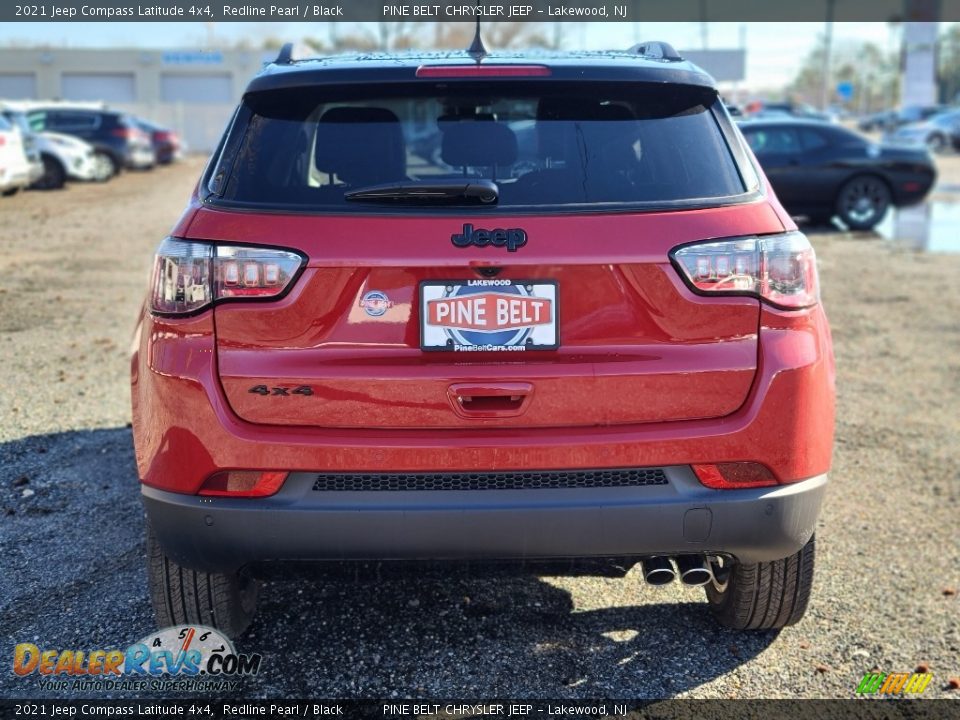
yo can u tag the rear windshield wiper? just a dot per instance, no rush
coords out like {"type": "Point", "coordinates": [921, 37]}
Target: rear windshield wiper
{"type": "Point", "coordinates": [430, 192]}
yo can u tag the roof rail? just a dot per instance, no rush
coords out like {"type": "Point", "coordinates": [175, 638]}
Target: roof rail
{"type": "Point", "coordinates": [285, 56]}
{"type": "Point", "coordinates": [657, 50]}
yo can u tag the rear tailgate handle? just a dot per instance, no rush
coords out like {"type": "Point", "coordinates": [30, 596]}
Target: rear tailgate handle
{"type": "Point", "coordinates": [489, 400]}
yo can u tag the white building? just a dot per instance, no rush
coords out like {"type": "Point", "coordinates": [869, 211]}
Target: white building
{"type": "Point", "coordinates": [190, 91]}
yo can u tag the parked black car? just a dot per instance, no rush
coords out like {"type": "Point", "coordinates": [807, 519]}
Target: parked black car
{"type": "Point", "coordinates": [820, 170]}
{"type": "Point", "coordinates": [117, 139]}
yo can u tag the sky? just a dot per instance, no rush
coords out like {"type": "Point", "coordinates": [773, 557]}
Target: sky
{"type": "Point", "coordinates": [774, 50]}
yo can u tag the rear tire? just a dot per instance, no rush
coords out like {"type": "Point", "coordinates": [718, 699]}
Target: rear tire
{"type": "Point", "coordinates": [937, 143]}
{"type": "Point", "coordinates": [225, 601]}
{"type": "Point", "coordinates": [764, 596]}
{"type": "Point", "coordinates": [105, 167]}
{"type": "Point", "coordinates": [863, 201]}
{"type": "Point", "coordinates": [54, 176]}
{"type": "Point", "coordinates": [11, 192]}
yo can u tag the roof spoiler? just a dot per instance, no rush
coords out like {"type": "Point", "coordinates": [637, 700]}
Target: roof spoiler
{"type": "Point", "coordinates": [285, 56]}
{"type": "Point", "coordinates": [656, 50]}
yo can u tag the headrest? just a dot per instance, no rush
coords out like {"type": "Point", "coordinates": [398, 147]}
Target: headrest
{"type": "Point", "coordinates": [478, 143]}
{"type": "Point", "coordinates": [361, 145]}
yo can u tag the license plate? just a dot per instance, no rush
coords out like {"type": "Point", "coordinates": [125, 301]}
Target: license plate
{"type": "Point", "coordinates": [488, 315]}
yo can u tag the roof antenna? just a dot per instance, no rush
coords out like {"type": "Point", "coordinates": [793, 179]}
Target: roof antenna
{"type": "Point", "coordinates": [477, 50]}
{"type": "Point", "coordinates": [285, 56]}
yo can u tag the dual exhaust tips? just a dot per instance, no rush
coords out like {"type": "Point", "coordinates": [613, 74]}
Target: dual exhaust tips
{"type": "Point", "coordinates": [692, 569]}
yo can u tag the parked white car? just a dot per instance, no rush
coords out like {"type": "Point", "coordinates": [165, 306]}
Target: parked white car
{"type": "Point", "coordinates": [65, 158]}
{"type": "Point", "coordinates": [59, 157]}
{"type": "Point", "coordinates": [14, 167]}
{"type": "Point", "coordinates": [29, 140]}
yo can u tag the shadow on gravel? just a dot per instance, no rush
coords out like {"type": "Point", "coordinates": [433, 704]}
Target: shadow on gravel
{"type": "Point", "coordinates": [506, 637]}
{"type": "Point", "coordinates": [72, 576]}
{"type": "Point", "coordinates": [70, 540]}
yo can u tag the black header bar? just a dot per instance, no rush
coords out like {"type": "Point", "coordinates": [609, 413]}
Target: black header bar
{"type": "Point", "coordinates": [205, 709]}
{"type": "Point", "coordinates": [487, 10]}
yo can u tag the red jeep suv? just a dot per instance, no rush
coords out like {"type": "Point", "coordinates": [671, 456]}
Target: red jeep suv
{"type": "Point", "coordinates": [538, 310]}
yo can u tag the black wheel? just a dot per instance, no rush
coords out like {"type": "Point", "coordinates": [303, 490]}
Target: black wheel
{"type": "Point", "coordinates": [937, 143]}
{"type": "Point", "coordinates": [179, 595]}
{"type": "Point", "coordinates": [104, 166]}
{"type": "Point", "coordinates": [763, 596]}
{"type": "Point", "coordinates": [11, 192]}
{"type": "Point", "coordinates": [863, 201]}
{"type": "Point", "coordinates": [54, 176]}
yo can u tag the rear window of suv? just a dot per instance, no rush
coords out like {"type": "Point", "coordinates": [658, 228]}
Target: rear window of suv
{"type": "Point", "coordinates": [570, 144]}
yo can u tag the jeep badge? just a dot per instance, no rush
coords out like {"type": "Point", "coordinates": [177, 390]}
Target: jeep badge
{"type": "Point", "coordinates": [513, 238]}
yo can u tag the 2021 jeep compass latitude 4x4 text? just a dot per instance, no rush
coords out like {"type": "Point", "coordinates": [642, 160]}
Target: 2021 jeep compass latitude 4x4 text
{"type": "Point", "coordinates": [532, 310]}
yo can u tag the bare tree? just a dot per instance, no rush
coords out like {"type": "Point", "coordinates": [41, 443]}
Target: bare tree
{"type": "Point", "coordinates": [950, 65]}
{"type": "Point", "coordinates": [871, 71]}
{"type": "Point", "coordinates": [396, 36]}
{"type": "Point", "coordinates": [271, 42]}
{"type": "Point", "coordinates": [400, 35]}
{"type": "Point", "coordinates": [495, 35]}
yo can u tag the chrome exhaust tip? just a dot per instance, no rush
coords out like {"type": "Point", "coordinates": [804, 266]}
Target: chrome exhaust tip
{"type": "Point", "coordinates": [694, 570]}
{"type": "Point", "coordinates": [658, 570]}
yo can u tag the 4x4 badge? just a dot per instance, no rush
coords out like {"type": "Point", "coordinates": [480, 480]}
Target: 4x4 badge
{"type": "Point", "coordinates": [512, 238]}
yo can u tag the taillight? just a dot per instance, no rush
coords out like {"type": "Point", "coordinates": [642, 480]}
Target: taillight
{"type": "Point", "coordinates": [130, 134]}
{"type": "Point", "coordinates": [779, 269]}
{"type": "Point", "coordinates": [243, 483]}
{"type": "Point", "coordinates": [733, 475]}
{"type": "Point", "coordinates": [189, 276]}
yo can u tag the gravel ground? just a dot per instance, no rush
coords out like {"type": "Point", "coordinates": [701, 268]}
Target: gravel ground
{"type": "Point", "coordinates": [73, 269]}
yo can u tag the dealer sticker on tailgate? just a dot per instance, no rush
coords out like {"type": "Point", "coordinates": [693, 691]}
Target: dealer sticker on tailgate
{"type": "Point", "coordinates": [488, 315]}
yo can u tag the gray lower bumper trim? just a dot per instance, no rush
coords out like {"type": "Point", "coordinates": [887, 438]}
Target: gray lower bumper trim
{"type": "Point", "coordinates": [299, 524]}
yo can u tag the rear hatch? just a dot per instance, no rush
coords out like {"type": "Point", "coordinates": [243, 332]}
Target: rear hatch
{"type": "Point", "coordinates": [555, 305]}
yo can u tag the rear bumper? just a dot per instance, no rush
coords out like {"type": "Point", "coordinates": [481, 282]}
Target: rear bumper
{"type": "Point", "coordinates": [16, 178]}
{"type": "Point", "coordinates": [140, 158]}
{"type": "Point", "coordinates": [302, 524]}
{"type": "Point", "coordinates": [166, 153]}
